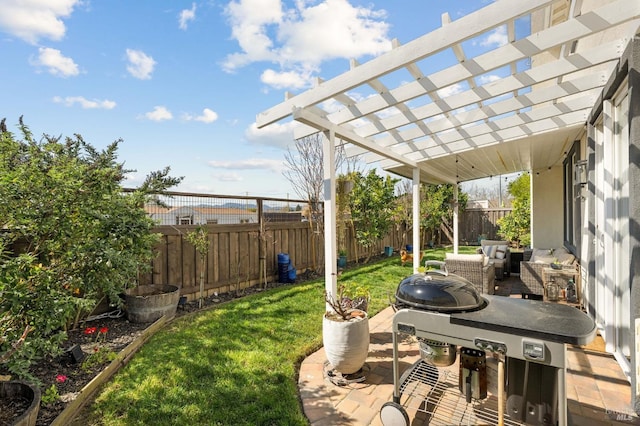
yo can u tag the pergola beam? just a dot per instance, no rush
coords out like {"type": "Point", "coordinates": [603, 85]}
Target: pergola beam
{"type": "Point", "coordinates": [464, 28]}
{"type": "Point", "coordinates": [323, 124]}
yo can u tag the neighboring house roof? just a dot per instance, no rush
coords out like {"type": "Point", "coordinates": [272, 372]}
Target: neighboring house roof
{"type": "Point", "coordinates": [156, 209]}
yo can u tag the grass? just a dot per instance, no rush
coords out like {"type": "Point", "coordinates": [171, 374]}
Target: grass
{"type": "Point", "coordinates": [236, 364]}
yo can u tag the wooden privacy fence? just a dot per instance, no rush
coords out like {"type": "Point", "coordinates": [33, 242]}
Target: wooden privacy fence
{"type": "Point", "coordinates": [246, 234]}
{"type": "Point", "coordinates": [241, 255]}
{"type": "Point", "coordinates": [474, 224]}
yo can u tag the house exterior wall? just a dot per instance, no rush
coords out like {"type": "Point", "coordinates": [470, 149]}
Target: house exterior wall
{"type": "Point", "coordinates": [596, 283]}
{"type": "Point", "coordinates": [634, 209]}
{"type": "Point", "coordinates": [547, 208]}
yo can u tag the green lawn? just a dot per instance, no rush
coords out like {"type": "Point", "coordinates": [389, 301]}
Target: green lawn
{"type": "Point", "coordinates": [235, 364]}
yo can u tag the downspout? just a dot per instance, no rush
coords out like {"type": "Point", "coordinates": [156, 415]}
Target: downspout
{"type": "Point", "coordinates": [330, 252]}
{"type": "Point", "coordinates": [417, 248]}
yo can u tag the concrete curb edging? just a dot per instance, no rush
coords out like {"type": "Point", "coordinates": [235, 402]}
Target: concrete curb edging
{"type": "Point", "coordinates": [123, 357]}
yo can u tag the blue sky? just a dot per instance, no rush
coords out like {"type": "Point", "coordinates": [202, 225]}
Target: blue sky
{"type": "Point", "coordinates": [181, 82]}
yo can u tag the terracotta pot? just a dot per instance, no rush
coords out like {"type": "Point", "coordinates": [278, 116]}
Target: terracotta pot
{"type": "Point", "coordinates": [18, 389]}
{"type": "Point", "coordinates": [346, 343]}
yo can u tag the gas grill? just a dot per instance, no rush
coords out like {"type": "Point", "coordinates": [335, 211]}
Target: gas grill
{"type": "Point", "coordinates": [445, 313]}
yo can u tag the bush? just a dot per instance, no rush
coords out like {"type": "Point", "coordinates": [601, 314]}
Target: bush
{"type": "Point", "coordinates": [70, 237]}
{"type": "Point", "coordinates": [515, 226]}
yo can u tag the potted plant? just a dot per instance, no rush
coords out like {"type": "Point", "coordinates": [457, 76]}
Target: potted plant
{"type": "Point", "coordinates": [342, 258]}
{"type": "Point", "coordinates": [20, 400]}
{"type": "Point", "coordinates": [345, 332]}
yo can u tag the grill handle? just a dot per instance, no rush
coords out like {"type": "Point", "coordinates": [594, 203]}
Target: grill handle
{"type": "Point", "coordinates": [441, 267]}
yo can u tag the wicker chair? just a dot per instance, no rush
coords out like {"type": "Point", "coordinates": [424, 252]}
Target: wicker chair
{"type": "Point", "coordinates": [473, 268]}
{"type": "Point", "coordinates": [501, 262]}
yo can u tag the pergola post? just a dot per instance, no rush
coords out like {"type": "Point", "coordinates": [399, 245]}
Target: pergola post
{"type": "Point", "coordinates": [456, 235]}
{"type": "Point", "coordinates": [417, 249]}
{"type": "Point", "coordinates": [330, 252]}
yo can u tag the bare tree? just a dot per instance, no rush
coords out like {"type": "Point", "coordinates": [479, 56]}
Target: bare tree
{"type": "Point", "coordinates": [305, 172]}
{"type": "Point", "coordinates": [404, 210]}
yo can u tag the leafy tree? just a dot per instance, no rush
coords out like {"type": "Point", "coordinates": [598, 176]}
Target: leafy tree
{"type": "Point", "coordinates": [70, 237]}
{"type": "Point", "coordinates": [305, 172]}
{"type": "Point", "coordinates": [436, 209]}
{"type": "Point", "coordinates": [516, 226]}
{"type": "Point", "coordinates": [372, 204]}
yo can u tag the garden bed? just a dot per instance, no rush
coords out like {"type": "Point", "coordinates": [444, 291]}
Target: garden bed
{"type": "Point", "coordinates": [116, 334]}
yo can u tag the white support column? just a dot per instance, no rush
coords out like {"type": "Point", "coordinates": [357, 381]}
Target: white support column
{"type": "Point", "coordinates": [330, 252]}
{"type": "Point", "coordinates": [417, 249]}
{"type": "Point", "coordinates": [608, 189]}
{"type": "Point", "coordinates": [456, 236]}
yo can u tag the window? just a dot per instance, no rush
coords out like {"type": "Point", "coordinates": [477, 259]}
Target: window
{"type": "Point", "coordinates": [571, 198]}
{"type": "Point", "coordinates": [212, 221]}
{"type": "Point", "coordinates": [184, 220]}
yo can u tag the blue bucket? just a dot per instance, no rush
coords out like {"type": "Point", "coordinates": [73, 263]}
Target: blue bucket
{"type": "Point", "coordinates": [284, 263]}
{"type": "Point", "coordinates": [283, 258]}
{"type": "Point", "coordinates": [409, 248]}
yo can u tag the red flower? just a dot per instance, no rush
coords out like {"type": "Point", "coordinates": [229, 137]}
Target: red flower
{"type": "Point", "coordinates": [90, 330]}
{"type": "Point", "coordinates": [103, 330]}
{"type": "Point", "coordinates": [61, 378]}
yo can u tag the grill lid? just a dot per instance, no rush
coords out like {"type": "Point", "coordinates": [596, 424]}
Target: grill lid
{"type": "Point", "coordinates": [439, 291]}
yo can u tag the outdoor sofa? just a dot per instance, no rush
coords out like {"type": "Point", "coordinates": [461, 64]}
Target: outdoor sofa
{"type": "Point", "coordinates": [474, 267]}
{"type": "Point", "coordinates": [531, 271]}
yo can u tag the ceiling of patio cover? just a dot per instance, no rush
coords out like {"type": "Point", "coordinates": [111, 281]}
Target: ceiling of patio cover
{"type": "Point", "coordinates": [516, 107]}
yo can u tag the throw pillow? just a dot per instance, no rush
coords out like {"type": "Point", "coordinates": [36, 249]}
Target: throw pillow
{"type": "Point", "coordinates": [489, 251]}
{"type": "Point", "coordinates": [501, 252]}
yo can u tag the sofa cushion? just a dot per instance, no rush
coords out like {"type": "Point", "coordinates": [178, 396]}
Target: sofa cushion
{"type": "Point", "coordinates": [501, 251]}
{"type": "Point", "coordinates": [490, 250]}
{"type": "Point", "coordinates": [560, 255]}
{"type": "Point", "coordinates": [468, 257]}
{"type": "Point", "coordinates": [453, 256]}
{"type": "Point", "coordinates": [566, 258]}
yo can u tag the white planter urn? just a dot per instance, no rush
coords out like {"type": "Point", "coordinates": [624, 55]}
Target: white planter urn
{"type": "Point", "coordinates": [346, 343]}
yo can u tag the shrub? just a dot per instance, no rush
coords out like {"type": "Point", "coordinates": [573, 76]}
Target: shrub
{"type": "Point", "coordinates": [70, 237]}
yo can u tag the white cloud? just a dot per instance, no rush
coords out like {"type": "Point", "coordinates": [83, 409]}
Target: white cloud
{"type": "Point", "coordinates": [35, 19]}
{"type": "Point", "coordinates": [250, 164]}
{"type": "Point", "coordinates": [489, 78]}
{"type": "Point", "coordinates": [55, 62]}
{"type": "Point", "coordinates": [496, 38]}
{"type": "Point", "coordinates": [279, 135]}
{"type": "Point", "coordinates": [207, 116]}
{"type": "Point", "coordinates": [301, 38]}
{"type": "Point", "coordinates": [159, 113]}
{"type": "Point", "coordinates": [450, 90]}
{"type": "Point", "coordinates": [285, 79]}
{"type": "Point", "coordinates": [84, 103]}
{"type": "Point", "coordinates": [185, 16]}
{"type": "Point", "coordinates": [140, 64]}
{"type": "Point", "coordinates": [229, 177]}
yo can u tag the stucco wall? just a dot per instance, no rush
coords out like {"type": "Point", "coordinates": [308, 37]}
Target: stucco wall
{"type": "Point", "coordinates": [547, 208]}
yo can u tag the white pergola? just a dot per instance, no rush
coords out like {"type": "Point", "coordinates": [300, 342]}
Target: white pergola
{"type": "Point", "coordinates": [518, 107]}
